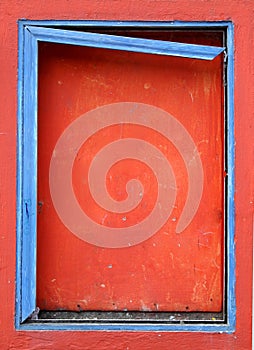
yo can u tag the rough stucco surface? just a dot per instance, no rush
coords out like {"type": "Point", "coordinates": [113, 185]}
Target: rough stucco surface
{"type": "Point", "coordinates": [241, 13]}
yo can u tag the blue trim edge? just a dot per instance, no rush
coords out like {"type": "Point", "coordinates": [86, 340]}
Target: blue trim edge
{"type": "Point", "coordinates": [231, 302]}
{"type": "Point", "coordinates": [19, 174]}
{"type": "Point", "coordinates": [127, 327]}
{"type": "Point", "coordinates": [114, 42]}
{"type": "Point", "coordinates": [27, 176]}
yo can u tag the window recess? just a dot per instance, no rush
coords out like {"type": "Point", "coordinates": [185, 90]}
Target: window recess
{"type": "Point", "coordinates": [91, 255]}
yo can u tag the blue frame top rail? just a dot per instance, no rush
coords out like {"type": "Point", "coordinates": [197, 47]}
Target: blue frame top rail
{"type": "Point", "coordinates": [106, 41]}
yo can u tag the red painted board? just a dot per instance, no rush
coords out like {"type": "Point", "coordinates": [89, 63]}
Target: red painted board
{"type": "Point", "coordinates": [169, 271]}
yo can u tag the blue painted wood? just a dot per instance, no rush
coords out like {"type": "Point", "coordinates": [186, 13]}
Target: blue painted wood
{"type": "Point", "coordinates": [19, 179]}
{"type": "Point", "coordinates": [114, 42]}
{"type": "Point", "coordinates": [29, 176]}
{"type": "Point", "coordinates": [27, 172]}
{"type": "Point", "coordinates": [210, 328]}
{"type": "Point", "coordinates": [127, 24]}
{"type": "Point", "coordinates": [231, 303]}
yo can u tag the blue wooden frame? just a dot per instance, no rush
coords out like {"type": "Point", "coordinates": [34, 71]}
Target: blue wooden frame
{"type": "Point", "coordinates": [30, 33]}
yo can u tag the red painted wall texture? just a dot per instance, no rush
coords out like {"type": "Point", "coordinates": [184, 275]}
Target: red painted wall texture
{"type": "Point", "coordinates": [171, 272]}
{"type": "Point", "coordinates": [241, 12]}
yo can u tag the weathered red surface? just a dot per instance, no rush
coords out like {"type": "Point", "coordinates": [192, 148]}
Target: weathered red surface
{"type": "Point", "coordinates": [169, 271]}
{"type": "Point", "coordinates": [241, 13]}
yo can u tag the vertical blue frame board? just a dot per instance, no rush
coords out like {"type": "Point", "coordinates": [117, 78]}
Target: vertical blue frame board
{"type": "Point", "coordinates": [27, 176]}
{"type": "Point", "coordinates": [230, 168]}
{"type": "Point", "coordinates": [30, 34]}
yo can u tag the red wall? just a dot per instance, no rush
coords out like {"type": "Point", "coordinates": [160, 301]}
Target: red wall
{"type": "Point", "coordinates": [241, 12]}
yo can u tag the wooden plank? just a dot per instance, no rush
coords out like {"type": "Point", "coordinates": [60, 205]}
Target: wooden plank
{"type": "Point", "coordinates": [230, 168]}
{"type": "Point", "coordinates": [28, 166]}
{"type": "Point", "coordinates": [106, 41]}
